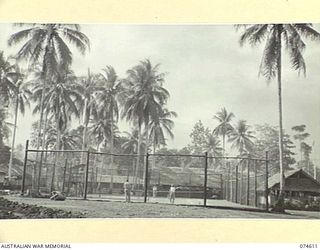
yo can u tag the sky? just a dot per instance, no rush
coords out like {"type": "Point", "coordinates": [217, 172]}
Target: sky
{"type": "Point", "coordinates": [206, 69]}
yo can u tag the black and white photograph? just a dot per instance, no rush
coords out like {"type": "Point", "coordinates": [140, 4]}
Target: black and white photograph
{"type": "Point", "coordinates": [159, 121]}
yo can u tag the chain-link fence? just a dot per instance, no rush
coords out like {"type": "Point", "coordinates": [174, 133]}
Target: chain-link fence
{"type": "Point", "coordinates": [155, 178]}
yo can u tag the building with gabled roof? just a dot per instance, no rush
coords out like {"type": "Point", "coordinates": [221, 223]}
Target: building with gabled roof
{"type": "Point", "coordinates": [298, 185]}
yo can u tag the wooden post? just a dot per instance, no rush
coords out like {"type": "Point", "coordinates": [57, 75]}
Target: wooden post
{"type": "Point", "coordinates": [205, 179]}
{"type": "Point", "coordinates": [237, 172]}
{"type": "Point", "coordinates": [248, 182]}
{"type": "Point", "coordinates": [24, 167]}
{"type": "Point", "coordinates": [255, 184]}
{"type": "Point", "coordinates": [87, 175]}
{"type": "Point", "coordinates": [266, 184]}
{"type": "Point", "coordinates": [146, 179]}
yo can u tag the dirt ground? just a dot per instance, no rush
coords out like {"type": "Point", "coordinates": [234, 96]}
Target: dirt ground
{"type": "Point", "coordinates": [120, 209]}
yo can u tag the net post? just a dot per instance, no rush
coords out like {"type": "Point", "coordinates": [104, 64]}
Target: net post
{"type": "Point", "coordinates": [146, 179]}
{"type": "Point", "coordinates": [24, 167]}
{"type": "Point", "coordinates": [237, 173]}
{"type": "Point", "coordinates": [266, 183]}
{"type": "Point", "coordinates": [205, 179]}
{"type": "Point", "coordinates": [87, 176]}
{"type": "Point", "coordinates": [248, 181]}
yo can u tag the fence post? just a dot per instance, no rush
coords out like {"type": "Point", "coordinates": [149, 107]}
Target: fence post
{"type": "Point", "coordinates": [146, 179]}
{"type": "Point", "coordinates": [248, 181]}
{"type": "Point", "coordinates": [230, 182]}
{"type": "Point", "coordinates": [266, 184]}
{"type": "Point", "coordinates": [64, 174]}
{"type": "Point", "coordinates": [237, 172]}
{"type": "Point", "coordinates": [87, 175]}
{"type": "Point", "coordinates": [205, 179]}
{"type": "Point", "coordinates": [24, 167]}
{"type": "Point", "coordinates": [255, 184]}
{"type": "Point", "coordinates": [221, 186]}
{"type": "Point", "coordinates": [39, 174]}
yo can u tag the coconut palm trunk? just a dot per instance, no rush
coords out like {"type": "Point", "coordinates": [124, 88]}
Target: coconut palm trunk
{"type": "Point", "coordinates": [146, 151]}
{"type": "Point", "coordinates": [13, 136]}
{"type": "Point", "coordinates": [154, 149]}
{"type": "Point", "coordinates": [43, 148]}
{"type": "Point", "coordinates": [279, 206]}
{"type": "Point", "coordinates": [111, 150]}
{"type": "Point", "coordinates": [138, 157]}
{"type": "Point", "coordinates": [57, 148]}
{"type": "Point", "coordinates": [84, 139]}
{"type": "Point", "coordinates": [44, 72]}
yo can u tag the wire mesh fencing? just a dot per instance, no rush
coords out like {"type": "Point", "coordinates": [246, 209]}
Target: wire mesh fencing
{"type": "Point", "coordinates": [154, 178]}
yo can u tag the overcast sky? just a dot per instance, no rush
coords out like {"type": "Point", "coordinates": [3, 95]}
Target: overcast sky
{"type": "Point", "coordinates": [207, 70]}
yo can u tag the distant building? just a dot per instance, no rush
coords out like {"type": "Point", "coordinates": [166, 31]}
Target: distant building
{"type": "Point", "coordinates": [298, 185]}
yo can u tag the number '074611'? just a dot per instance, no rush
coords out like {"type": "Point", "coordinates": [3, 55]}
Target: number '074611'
{"type": "Point", "coordinates": [308, 246]}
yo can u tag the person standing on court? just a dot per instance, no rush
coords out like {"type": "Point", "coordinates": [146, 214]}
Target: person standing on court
{"type": "Point", "coordinates": [154, 191]}
{"type": "Point", "coordinates": [127, 190]}
{"type": "Point", "coordinates": [172, 193]}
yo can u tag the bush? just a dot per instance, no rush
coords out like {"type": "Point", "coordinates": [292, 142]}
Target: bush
{"type": "Point", "coordinates": [294, 204]}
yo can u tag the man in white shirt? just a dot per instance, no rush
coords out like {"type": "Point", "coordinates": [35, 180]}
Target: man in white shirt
{"type": "Point", "coordinates": [127, 190]}
{"type": "Point", "coordinates": [154, 191]}
{"type": "Point", "coordinates": [172, 193]}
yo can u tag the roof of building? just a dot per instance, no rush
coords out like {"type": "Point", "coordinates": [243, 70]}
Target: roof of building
{"type": "Point", "coordinates": [275, 179]}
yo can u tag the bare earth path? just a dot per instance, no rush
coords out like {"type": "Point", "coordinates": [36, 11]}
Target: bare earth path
{"type": "Point", "coordinates": [119, 209]}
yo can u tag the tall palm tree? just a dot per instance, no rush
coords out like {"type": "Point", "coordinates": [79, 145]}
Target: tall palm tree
{"type": "Point", "coordinates": [62, 102]}
{"type": "Point", "coordinates": [108, 93]}
{"type": "Point", "coordinates": [7, 90]}
{"type": "Point", "coordinates": [45, 45]}
{"type": "Point", "coordinates": [21, 96]}
{"type": "Point", "coordinates": [145, 95]}
{"type": "Point", "coordinates": [224, 128]}
{"type": "Point", "coordinates": [88, 90]}
{"type": "Point", "coordinates": [278, 36]}
{"type": "Point", "coordinates": [241, 138]}
{"type": "Point", "coordinates": [161, 125]}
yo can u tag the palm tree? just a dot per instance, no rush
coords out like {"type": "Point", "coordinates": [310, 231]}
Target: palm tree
{"type": "Point", "coordinates": [224, 128]}
{"type": "Point", "coordinates": [159, 126]}
{"type": "Point", "coordinates": [241, 138]}
{"type": "Point", "coordinates": [213, 147]}
{"type": "Point", "coordinates": [45, 45]}
{"type": "Point", "coordinates": [87, 89]}
{"type": "Point", "coordinates": [130, 146]}
{"type": "Point", "coordinates": [7, 90]}
{"type": "Point", "coordinates": [21, 96]}
{"type": "Point", "coordinates": [108, 92]}
{"type": "Point", "coordinates": [68, 139]}
{"type": "Point", "coordinates": [145, 96]}
{"type": "Point", "coordinates": [62, 102]}
{"type": "Point", "coordinates": [277, 37]}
